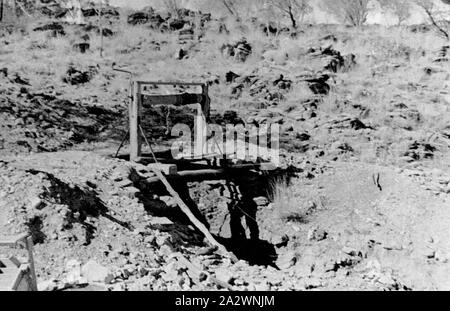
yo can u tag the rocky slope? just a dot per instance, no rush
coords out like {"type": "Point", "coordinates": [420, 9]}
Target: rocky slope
{"type": "Point", "coordinates": [360, 201]}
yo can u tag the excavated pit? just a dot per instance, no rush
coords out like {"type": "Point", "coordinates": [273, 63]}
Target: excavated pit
{"type": "Point", "coordinates": [228, 209]}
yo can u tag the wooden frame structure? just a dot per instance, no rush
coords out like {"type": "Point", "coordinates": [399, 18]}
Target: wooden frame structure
{"type": "Point", "coordinates": [14, 274]}
{"type": "Point", "coordinates": [141, 100]}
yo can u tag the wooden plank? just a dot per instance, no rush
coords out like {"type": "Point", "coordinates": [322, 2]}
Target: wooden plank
{"type": "Point", "coordinates": [175, 83]}
{"type": "Point", "coordinates": [13, 240]}
{"type": "Point", "coordinates": [193, 175]}
{"type": "Point", "coordinates": [33, 285]}
{"type": "Point", "coordinates": [9, 278]}
{"type": "Point", "coordinates": [135, 137]}
{"type": "Point", "coordinates": [22, 274]}
{"type": "Point", "coordinates": [206, 103]}
{"type": "Point", "coordinates": [171, 100]}
{"type": "Point", "coordinates": [10, 262]}
{"type": "Point", "coordinates": [197, 223]}
{"type": "Point", "coordinates": [200, 133]}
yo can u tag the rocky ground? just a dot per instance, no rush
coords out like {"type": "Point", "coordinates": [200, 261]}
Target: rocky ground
{"type": "Point", "coordinates": [360, 202]}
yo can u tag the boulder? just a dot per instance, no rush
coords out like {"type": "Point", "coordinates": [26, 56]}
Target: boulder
{"type": "Point", "coordinates": [75, 76]}
{"type": "Point", "coordinates": [96, 273]}
{"type": "Point", "coordinates": [243, 50]}
{"type": "Point", "coordinates": [181, 54]}
{"type": "Point", "coordinates": [224, 275]}
{"type": "Point", "coordinates": [177, 24]}
{"type": "Point", "coordinates": [230, 77]}
{"type": "Point", "coordinates": [138, 18]}
{"type": "Point", "coordinates": [82, 47]}
{"type": "Point", "coordinates": [287, 260]}
{"type": "Point", "coordinates": [4, 72]}
{"type": "Point", "coordinates": [55, 29]}
{"type": "Point", "coordinates": [317, 234]}
{"type": "Point", "coordinates": [37, 203]}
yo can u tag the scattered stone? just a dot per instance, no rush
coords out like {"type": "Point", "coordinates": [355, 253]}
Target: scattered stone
{"type": "Point", "coordinates": [181, 54]}
{"type": "Point", "coordinates": [283, 83]}
{"type": "Point", "coordinates": [46, 286]}
{"type": "Point", "coordinates": [261, 201]}
{"type": "Point", "coordinates": [205, 251]}
{"type": "Point", "coordinates": [316, 234]}
{"type": "Point", "coordinates": [138, 18]}
{"type": "Point", "coordinates": [75, 76]}
{"type": "Point", "coordinates": [169, 201]}
{"type": "Point", "coordinates": [224, 275]}
{"type": "Point", "coordinates": [4, 72]}
{"type": "Point", "coordinates": [303, 136]}
{"type": "Point", "coordinates": [287, 260]}
{"type": "Point", "coordinates": [16, 78]}
{"type": "Point", "coordinates": [350, 251]}
{"type": "Point", "coordinates": [82, 47]}
{"type": "Point", "coordinates": [441, 256]}
{"type": "Point", "coordinates": [124, 183]}
{"type": "Point", "coordinates": [341, 147]}
{"type": "Point", "coordinates": [55, 29]}
{"type": "Point", "coordinates": [357, 124]}
{"type": "Point", "coordinates": [231, 77]}
{"type": "Point", "coordinates": [312, 283]}
{"type": "Point", "coordinates": [160, 221]}
{"type": "Point", "coordinates": [95, 272]}
{"type": "Point", "coordinates": [37, 203]}
{"type": "Point", "coordinates": [240, 50]}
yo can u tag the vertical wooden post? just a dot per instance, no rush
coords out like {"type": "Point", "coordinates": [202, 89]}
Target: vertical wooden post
{"type": "Point", "coordinates": [14, 8]}
{"type": "Point", "coordinates": [100, 14]}
{"type": "Point", "coordinates": [201, 129]}
{"type": "Point", "coordinates": [1, 10]}
{"type": "Point", "coordinates": [135, 113]}
{"type": "Point", "coordinates": [206, 102]}
{"type": "Point", "coordinates": [200, 135]}
{"type": "Point", "coordinates": [29, 245]}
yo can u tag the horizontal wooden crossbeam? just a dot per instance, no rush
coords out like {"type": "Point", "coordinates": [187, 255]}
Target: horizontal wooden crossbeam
{"type": "Point", "coordinates": [171, 83]}
{"type": "Point", "coordinates": [171, 100]}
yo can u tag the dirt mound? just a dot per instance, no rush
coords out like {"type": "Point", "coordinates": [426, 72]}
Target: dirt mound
{"type": "Point", "coordinates": [40, 121]}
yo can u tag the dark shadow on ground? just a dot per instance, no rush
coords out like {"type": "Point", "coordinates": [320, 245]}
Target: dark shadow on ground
{"type": "Point", "coordinates": [82, 203]}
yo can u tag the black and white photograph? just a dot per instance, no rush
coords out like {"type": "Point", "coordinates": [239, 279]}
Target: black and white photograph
{"type": "Point", "coordinates": [224, 151]}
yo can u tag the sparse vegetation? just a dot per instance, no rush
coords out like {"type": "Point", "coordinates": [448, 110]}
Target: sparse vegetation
{"type": "Point", "coordinates": [285, 202]}
{"type": "Point", "coordinates": [295, 10]}
{"type": "Point", "coordinates": [436, 17]}
{"type": "Point", "coordinates": [364, 136]}
{"type": "Point", "coordinates": [352, 12]}
{"type": "Point", "coordinates": [401, 8]}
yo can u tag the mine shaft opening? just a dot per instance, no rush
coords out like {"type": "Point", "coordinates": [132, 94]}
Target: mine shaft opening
{"type": "Point", "coordinates": [234, 216]}
{"type": "Point", "coordinates": [225, 205]}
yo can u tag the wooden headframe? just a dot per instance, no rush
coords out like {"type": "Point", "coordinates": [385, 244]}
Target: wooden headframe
{"type": "Point", "coordinates": [142, 100]}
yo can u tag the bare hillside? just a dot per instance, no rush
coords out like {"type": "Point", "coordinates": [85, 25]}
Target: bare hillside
{"type": "Point", "coordinates": [360, 200]}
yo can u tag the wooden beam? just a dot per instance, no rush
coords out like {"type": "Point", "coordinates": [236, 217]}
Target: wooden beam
{"type": "Point", "coordinates": [12, 241]}
{"type": "Point", "coordinates": [29, 244]}
{"type": "Point", "coordinates": [171, 83]}
{"type": "Point", "coordinates": [206, 103]}
{"type": "Point", "coordinates": [1, 10]}
{"type": "Point", "coordinates": [193, 175]}
{"type": "Point", "coordinates": [171, 100]}
{"type": "Point", "coordinates": [197, 223]}
{"type": "Point", "coordinates": [14, 8]}
{"type": "Point", "coordinates": [200, 133]}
